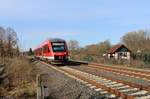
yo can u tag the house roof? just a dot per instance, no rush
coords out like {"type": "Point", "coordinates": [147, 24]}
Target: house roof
{"type": "Point", "coordinates": [117, 47]}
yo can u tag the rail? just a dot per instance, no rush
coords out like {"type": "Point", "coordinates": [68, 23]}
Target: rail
{"type": "Point", "coordinates": [108, 85]}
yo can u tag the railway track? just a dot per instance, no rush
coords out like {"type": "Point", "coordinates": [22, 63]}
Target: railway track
{"type": "Point", "coordinates": [123, 71]}
{"type": "Point", "coordinates": [143, 75]}
{"type": "Point", "coordinates": [110, 88]}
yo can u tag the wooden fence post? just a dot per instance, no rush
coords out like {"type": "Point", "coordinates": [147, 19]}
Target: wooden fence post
{"type": "Point", "coordinates": [42, 90]}
{"type": "Point", "coordinates": [39, 87]}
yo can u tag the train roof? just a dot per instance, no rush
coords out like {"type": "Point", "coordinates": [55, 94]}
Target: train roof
{"type": "Point", "coordinates": [56, 40]}
{"type": "Point", "coordinates": [50, 40]}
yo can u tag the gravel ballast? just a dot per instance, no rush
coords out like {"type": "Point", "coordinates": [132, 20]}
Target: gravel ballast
{"type": "Point", "coordinates": [61, 86]}
{"type": "Point", "coordinates": [112, 75]}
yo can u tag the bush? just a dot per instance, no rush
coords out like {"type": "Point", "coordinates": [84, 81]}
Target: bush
{"type": "Point", "coordinates": [137, 63]}
{"type": "Point", "coordinates": [88, 58]}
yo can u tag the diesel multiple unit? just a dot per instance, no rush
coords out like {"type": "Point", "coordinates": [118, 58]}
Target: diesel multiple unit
{"type": "Point", "coordinates": [52, 50]}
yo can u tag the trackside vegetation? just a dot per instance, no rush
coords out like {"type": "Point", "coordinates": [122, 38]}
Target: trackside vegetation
{"type": "Point", "coordinates": [137, 41]}
{"type": "Point", "coordinates": [16, 73]}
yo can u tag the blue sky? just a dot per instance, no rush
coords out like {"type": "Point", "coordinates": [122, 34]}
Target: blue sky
{"type": "Point", "coordinates": [88, 21]}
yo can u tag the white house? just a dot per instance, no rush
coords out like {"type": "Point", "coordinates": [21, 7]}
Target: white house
{"type": "Point", "coordinates": [119, 51]}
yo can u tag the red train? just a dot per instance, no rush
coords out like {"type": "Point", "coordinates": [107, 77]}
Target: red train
{"type": "Point", "coordinates": [53, 50]}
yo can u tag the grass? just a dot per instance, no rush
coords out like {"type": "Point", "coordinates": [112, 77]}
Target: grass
{"type": "Point", "coordinates": [21, 78]}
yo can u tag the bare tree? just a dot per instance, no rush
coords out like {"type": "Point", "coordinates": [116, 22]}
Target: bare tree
{"type": "Point", "coordinates": [2, 33]}
{"type": "Point", "coordinates": [8, 42]}
{"type": "Point", "coordinates": [73, 45]}
{"type": "Point", "coordinates": [12, 37]}
{"type": "Point", "coordinates": [2, 39]}
{"type": "Point", "coordinates": [11, 41]}
{"type": "Point", "coordinates": [103, 47]}
{"type": "Point", "coordinates": [2, 51]}
{"type": "Point", "coordinates": [17, 51]}
{"type": "Point", "coordinates": [137, 40]}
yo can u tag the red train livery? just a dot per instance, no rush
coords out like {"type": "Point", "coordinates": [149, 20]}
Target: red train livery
{"type": "Point", "coordinates": [53, 50]}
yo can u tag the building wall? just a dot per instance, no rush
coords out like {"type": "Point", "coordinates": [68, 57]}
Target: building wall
{"type": "Point", "coordinates": [116, 55]}
{"type": "Point", "coordinates": [128, 55]}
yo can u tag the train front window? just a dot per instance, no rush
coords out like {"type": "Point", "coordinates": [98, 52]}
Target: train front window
{"type": "Point", "coordinates": [58, 47]}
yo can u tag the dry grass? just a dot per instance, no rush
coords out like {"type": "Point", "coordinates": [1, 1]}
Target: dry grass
{"type": "Point", "coordinates": [22, 90]}
{"type": "Point", "coordinates": [21, 78]}
{"type": "Point", "coordinates": [20, 70]}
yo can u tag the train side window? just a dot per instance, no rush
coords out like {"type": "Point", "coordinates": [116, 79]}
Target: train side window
{"type": "Point", "coordinates": [41, 50]}
{"type": "Point", "coordinates": [44, 49]}
{"type": "Point", "coordinates": [48, 49]}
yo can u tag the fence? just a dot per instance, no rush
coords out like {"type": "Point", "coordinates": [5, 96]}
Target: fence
{"type": "Point", "coordinates": [42, 90]}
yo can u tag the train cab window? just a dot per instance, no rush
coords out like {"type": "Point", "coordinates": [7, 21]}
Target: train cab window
{"type": "Point", "coordinates": [58, 46]}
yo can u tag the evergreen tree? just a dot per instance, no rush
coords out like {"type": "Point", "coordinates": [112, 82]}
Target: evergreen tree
{"type": "Point", "coordinates": [30, 51]}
